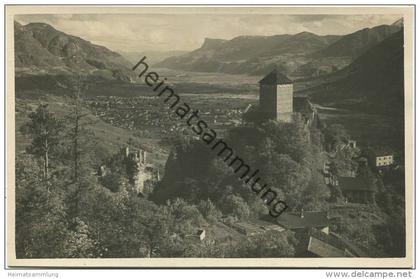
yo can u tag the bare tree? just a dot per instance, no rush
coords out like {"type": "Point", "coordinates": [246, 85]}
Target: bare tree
{"type": "Point", "coordinates": [77, 125]}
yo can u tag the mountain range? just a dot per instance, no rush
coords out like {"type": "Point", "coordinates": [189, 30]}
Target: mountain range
{"type": "Point", "coordinates": [368, 64]}
{"type": "Point", "coordinates": [40, 48]}
{"type": "Point", "coordinates": [300, 55]}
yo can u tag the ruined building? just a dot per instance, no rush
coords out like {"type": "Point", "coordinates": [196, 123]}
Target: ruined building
{"type": "Point", "coordinates": [141, 175]}
{"type": "Point", "coordinates": [138, 170]}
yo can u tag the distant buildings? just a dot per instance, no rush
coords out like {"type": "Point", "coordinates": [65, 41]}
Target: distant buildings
{"type": "Point", "coordinates": [144, 117]}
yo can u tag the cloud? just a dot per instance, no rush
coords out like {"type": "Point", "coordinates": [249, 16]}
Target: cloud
{"type": "Point", "coordinates": [162, 32]}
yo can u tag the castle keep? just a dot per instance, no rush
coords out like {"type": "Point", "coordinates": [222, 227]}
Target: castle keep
{"type": "Point", "coordinates": [277, 101]}
{"type": "Point", "coordinates": [276, 97]}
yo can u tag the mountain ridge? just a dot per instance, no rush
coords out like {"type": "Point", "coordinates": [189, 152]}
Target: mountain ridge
{"type": "Point", "coordinates": [40, 49]}
{"type": "Point", "coordinates": [354, 44]}
{"type": "Point", "coordinates": [301, 54]}
{"type": "Point", "coordinates": [374, 81]}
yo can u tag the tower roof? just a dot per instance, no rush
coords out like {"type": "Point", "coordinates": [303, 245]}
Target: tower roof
{"type": "Point", "coordinates": [275, 77]}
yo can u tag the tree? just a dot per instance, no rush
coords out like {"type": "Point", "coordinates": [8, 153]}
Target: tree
{"type": "Point", "coordinates": [185, 217]}
{"type": "Point", "coordinates": [289, 138]}
{"type": "Point", "coordinates": [252, 115]}
{"type": "Point", "coordinates": [334, 135]}
{"type": "Point", "coordinates": [79, 135]}
{"type": "Point", "coordinates": [79, 244]}
{"type": "Point", "coordinates": [80, 148]}
{"type": "Point", "coordinates": [41, 223]}
{"type": "Point", "coordinates": [289, 176]}
{"type": "Point", "coordinates": [236, 206]}
{"type": "Point", "coordinates": [209, 210]}
{"type": "Point", "coordinates": [315, 193]}
{"type": "Point", "coordinates": [45, 130]}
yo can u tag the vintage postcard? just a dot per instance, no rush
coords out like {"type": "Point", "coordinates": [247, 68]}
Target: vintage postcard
{"type": "Point", "coordinates": [210, 136]}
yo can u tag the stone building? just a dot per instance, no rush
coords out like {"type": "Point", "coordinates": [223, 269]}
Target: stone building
{"type": "Point", "coordinates": [140, 174]}
{"type": "Point", "coordinates": [303, 106]}
{"type": "Point", "coordinates": [276, 97]}
{"type": "Point", "coordinates": [277, 102]}
{"type": "Point", "coordinates": [138, 170]}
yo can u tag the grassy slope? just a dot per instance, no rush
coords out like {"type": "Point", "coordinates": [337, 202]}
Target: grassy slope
{"type": "Point", "coordinates": [109, 138]}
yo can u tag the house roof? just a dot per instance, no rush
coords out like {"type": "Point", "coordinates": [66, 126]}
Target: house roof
{"type": "Point", "coordinates": [275, 77]}
{"type": "Point", "coordinates": [269, 226]}
{"type": "Point", "coordinates": [310, 219]}
{"type": "Point", "coordinates": [332, 245]}
{"type": "Point", "coordinates": [382, 151]}
{"type": "Point", "coordinates": [348, 246]}
{"type": "Point", "coordinates": [323, 249]}
{"type": "Point", "coordinates": [249, 227]}
{"type": "Point", "coordinates": [358, 183]}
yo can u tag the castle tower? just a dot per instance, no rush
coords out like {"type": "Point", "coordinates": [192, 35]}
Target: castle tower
{"type": "Point", "coordinates": [276, 97]}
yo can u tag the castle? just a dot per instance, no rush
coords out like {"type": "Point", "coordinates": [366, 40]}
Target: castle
{"type": "Point", "coordinates": [138, 171]}
{"type": "Point", "coordinates": [276, 100]}
{"type": "Point", "coordinates": [140, 174]}
{"type": "Point", "coordinates": [276, 97]}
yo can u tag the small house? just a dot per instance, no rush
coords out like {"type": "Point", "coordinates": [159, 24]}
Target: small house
{"type": "Point", "coordinates": [320, 244]}
{"type": "Point", "coordinates": [381, 157]}
{"type": "Point", "coordinates": [323, 249]}
{"type": "Point", "coordinates": [357, 189]}
{"type": "Point", "coordinates": [201, 234]}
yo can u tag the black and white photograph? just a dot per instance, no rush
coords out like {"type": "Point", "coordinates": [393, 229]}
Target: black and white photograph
{"type": "Point", "coordinates": [167, 136]}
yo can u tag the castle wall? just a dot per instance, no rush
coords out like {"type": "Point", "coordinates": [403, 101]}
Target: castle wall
{"type": "Point", "coordinates": [268, 101]}
{"type": "Point", "coordinates": [141, 177]}
{"type": "Point", "coordinates": [284, 104]}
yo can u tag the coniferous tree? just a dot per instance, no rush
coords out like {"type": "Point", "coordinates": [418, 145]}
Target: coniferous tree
{"type": "Point", "coordinates": [44, 129]}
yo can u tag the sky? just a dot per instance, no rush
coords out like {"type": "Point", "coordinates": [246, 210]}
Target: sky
{"type": "Point", "coordinates": [168, 32]}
